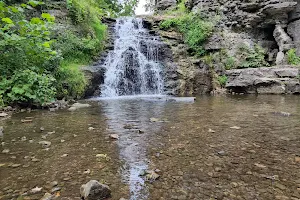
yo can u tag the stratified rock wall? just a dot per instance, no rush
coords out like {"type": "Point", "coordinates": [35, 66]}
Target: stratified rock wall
{"type": "Point", "coordinates": [249, 22]}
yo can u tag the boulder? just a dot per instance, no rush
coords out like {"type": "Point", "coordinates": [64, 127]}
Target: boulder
{"type": "Point", "coordinates": [93, 190]}
{"type": "Point", "coordinates": [266, 80]}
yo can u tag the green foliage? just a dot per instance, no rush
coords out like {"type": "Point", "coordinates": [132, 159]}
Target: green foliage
{"type": "Point", "coordinates": [27, 86]}
{"type": "Point", "coordinates": [230, 63]}
{"type": "Point", "coordinates": [195, 29]}
{"type": "Point", "coordinates": [223, 80]}
{"type": "Point", "coordinates": [25, 43]}
{"type": "Point", "coordinates": [71, 82]}
{"type": "Point", "coordinates": [251, 57]}
{"type": "Point", "coordinates": [293, 59]}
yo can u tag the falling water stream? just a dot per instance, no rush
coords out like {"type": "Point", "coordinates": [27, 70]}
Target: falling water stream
{"type": "Point", "coordinates": [132, 67]}
{"type": "Point", "coordinates": [133, 71]}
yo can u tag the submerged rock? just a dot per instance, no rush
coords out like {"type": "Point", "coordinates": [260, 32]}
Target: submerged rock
{"type": "Point", "coordinates": [3, 114]}
{"type": "Point", "coordinates": [93, 190]}
{"type": "Point", "coordinates": [45, 144]}
{"type": "Point", "coordinates": [76, 106]}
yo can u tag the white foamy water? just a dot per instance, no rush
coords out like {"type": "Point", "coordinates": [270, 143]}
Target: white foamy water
{"type": "Point", "coordinates": [132, 67]}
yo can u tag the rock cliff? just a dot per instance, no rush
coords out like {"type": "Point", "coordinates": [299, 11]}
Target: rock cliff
{"type": "Point", "coordinates": [272, 24]}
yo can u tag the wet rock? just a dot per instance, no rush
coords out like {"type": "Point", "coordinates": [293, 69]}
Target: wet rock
{"type": "Point", "coordinates": [36, 190]}
{"type": "Point", "coordinates": [6, 151]}
{"type": "Point", "coordinates": [42, 129]}
{"type": "Point", "coordinates": [55, 189]}
{"type": "Point", "coordinates": [76, 106]}
{"type": "Point", "coordinates": [93, 190]}
{"type": "Point", "coordinates": [48, 196]}
{"type": "Point", "coordinates": [91, 128]}
{"type": "Point", "coordinates": [149, 175]}
{"type": "Point", "coordinates": [45, 144]}
{"type": "Point", "coordinates": [211, 131]}
{"type": "Point", "coordinates": [53, 184]}
{"type": "Point", "coordinates": [222, 153]}
{"type": "Point", "coordinates": [16, 165]}
{"type": "Point", "coordinates": [64, 155]}
{"type": "Point", "coordinates": [35, 160]}
{"type": "Point", "coordinates": [235, 127]}
{"type": "Point", "coordinates": [114, 136]}
{"type": "Point", "coordinates": [260, 165]}
{"type": "Point", "coordinates": [23, 139]}
{"type": "Point", "coordinates": [2, 114]}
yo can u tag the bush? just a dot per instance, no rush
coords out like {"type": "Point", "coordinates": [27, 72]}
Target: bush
{"type": "Point", "coordinates": [25, 44]}
{"type": "Point", "coordinates": [71, 82]}
{"type": "Point", "coordinates": [251, 57]}
{"type": "Point", "coordinates": [293, 59]}
{"type": "Point", "coordinates": [230, 63]}
{"type": "Point", "coordinates": [194, 28]}
{"type": "Point", "coordinates": [29, 87]}
{"type": "Point", "coordinates": [223, 80]}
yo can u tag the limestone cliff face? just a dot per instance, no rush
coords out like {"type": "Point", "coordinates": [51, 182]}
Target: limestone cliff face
{"type": "Point", "coordinates": [274, 24]}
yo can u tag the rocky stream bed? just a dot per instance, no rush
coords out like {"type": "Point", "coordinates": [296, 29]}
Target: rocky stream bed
{"type": "Point", "coordinates": [225, 147]}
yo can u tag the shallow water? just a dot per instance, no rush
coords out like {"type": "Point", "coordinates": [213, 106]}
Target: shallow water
{"type": "Point", "coordinates": [193, 145]}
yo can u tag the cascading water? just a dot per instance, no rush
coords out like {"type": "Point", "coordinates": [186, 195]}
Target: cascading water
{"type": "Point", "coordinates": [132, 68]}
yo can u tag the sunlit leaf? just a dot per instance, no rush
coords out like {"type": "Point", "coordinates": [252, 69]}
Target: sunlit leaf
{"type": "Point", "coordinates": [7, 20]}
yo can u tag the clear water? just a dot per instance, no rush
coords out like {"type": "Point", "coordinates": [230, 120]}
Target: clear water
{"type": "Point", "coordinates": [132, 69]}
{"type": "Point", "coordinates": [258, 161]}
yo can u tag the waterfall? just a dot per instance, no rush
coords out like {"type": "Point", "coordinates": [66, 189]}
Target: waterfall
{"type": "Point", "coordinates": [132, 67]}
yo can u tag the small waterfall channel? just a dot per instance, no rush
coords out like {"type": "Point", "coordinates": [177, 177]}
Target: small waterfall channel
{"type": "Point", "coordinates": [132, 67]}
{"type": "Point", "coordinates": [134, 70]}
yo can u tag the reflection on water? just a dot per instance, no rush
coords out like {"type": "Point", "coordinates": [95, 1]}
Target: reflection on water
{"type": "Point", "coordinates": [130, 119]}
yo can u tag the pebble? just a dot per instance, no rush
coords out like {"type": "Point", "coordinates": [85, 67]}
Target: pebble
{"type": "Point", "coordinates": [36, 190]}
{"type": "Point", "coordinates": [64, 155]}
{"type": "Point", "coordinates": [235, 127]}
{"type": "Point", "coordinates": [62, 141]}
{"type": "Point", "coordinates": [211, 131]}
{"type": "Point", "coordinates": [35, 160]}
{"type": "Point", "coordinates": [6, 151]}
{"type": "Point", "coordinates": [221, 153]}
{"type": "Point", "coordinates": [16, 165]}
{"type": "Point", "coordinates": [114, 136]}
{"type": "Point", "coordinates": [53, 184]}
{"type": "Point", "coordinates": [56, 189]}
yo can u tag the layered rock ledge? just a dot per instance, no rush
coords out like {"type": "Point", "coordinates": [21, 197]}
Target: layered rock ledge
{"type": "Point", "coordinates": [265, 80]}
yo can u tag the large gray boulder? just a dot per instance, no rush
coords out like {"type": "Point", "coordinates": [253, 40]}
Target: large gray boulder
{"type": "Point", "coordinates": [265, 80]}
{"type": "Point", "coordinates": [93, 190]}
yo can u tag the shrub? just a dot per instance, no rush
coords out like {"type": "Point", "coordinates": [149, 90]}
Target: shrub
{"type": "Point", "coordinates": [230, 63]}
{"type": "Point", "coordinates": [29, 87]}
{"type": "Point", "coordinates": [223, 80]}
{"type": "Point", "coordinates": [71, 82]}
{"type": "Point", "coordinates": [194, 28]}
{"type": "Point", "coordinates": [293, 59]}
{"type": "Point", "coordinates": [251, 57]}
{"type": "Point", "coordinates": [25, 43]}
